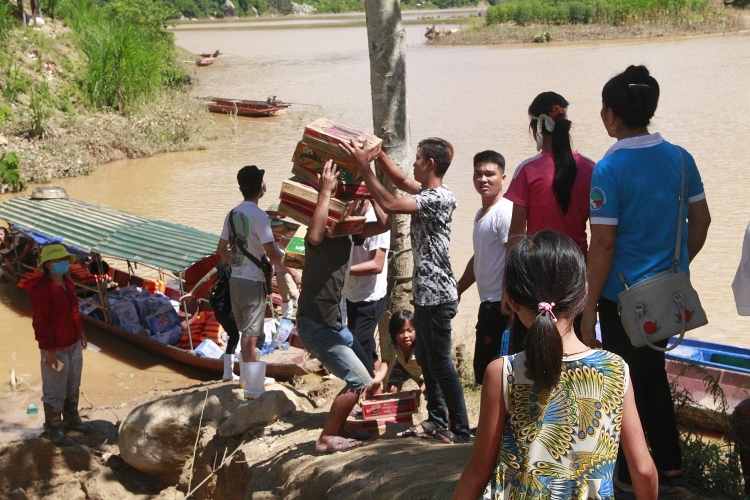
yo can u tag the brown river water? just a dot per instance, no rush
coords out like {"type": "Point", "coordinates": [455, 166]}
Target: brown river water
{"type": "Point", "coordinates": [476, 97]}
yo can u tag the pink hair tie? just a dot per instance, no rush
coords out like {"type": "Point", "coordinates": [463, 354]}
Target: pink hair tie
{"type": "Point", "coordinates": [546, 306]}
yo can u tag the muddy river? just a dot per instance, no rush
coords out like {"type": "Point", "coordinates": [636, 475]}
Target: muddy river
{"type": "Point", "coordinates": [476, 97]}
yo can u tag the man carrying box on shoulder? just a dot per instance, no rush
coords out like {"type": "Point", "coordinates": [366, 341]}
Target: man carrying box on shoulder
{"type": "Point", "coordinates": [319, 321]}
{"type": "Point", "coordinates": [252, 246]}
{"type": "Point", "coordinates": [431, 206]}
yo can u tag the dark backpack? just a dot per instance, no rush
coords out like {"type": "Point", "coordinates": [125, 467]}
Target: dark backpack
{"type": "Point", "coordinates": [220, 300]}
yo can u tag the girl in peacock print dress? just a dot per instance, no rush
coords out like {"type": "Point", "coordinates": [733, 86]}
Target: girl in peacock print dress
{"type": "Point", "coordinates": [553, 416]}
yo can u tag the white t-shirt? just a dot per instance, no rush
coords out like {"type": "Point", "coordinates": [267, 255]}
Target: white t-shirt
{"type": "Point", "coordinates": [254, 228]}
{"type": "Point", "coordinates": [490, 236]}
{"type": "Point", "coordinates": [373, 287]}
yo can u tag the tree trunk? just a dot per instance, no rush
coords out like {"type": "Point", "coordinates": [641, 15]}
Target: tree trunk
{"type": "Point", "coordinates": [387, 50]}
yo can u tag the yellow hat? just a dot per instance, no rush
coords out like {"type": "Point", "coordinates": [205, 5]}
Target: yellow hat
{"type": "Point", "coordinates": [54, 252]}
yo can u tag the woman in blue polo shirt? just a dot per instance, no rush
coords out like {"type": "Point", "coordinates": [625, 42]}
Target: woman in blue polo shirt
{"type": "Point", "coordinates": [634, 203]}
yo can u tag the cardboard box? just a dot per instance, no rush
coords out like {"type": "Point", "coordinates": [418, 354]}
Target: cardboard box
{"type": "Point", "coordinates": [329, 132]}
{"type": "Point", "coordinates": [380, 426]}
{"type": "Point", "coordinates": [342, 190]}
{"type": "Point", "coordinates": [391, 405]}
{"type": "Point", "coordinates": [304, 198]}
{"type": "Point", "coordinates": [295, 250]}
{"type": "Point", "coordinates": [314, 158]}
{"type": "Point", "coordinates": [285, 229]}
{"type": "Point", "coordinates": [334, 228]}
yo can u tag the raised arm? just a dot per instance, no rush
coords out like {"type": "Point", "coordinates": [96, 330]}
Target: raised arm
{"type": "Point", "coordinates": [396, 174]}
{"type": "Point", "coordinates": [208, 277]}
{"type": "Point", "coordinates": [317, 230]}
{"type": "Point", "coordinates": [699, 218]}
{"type": "Point", "coordinates": [389, 203]}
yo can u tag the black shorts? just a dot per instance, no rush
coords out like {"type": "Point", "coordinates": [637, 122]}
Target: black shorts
{"type": "Point", "coordinates": [491, 323]}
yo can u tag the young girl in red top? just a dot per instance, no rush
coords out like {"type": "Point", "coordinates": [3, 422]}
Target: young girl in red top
{"type": "Point", "coordinates": [58, 329]}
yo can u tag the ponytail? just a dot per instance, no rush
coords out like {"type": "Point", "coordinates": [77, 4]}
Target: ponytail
{"type": "Point", "coordinates": [566, 169]}
{"type": "Point", "coordinates": [547, 114]}
{"type": "Point", "coordinates": [544, 350]}
{"type": "Point", "coordinates": [546, 272]}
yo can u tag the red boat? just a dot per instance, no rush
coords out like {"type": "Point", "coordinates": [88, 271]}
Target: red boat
{"type": "Point", "coordinates": [205, 61]}
{"type": "Point", "coordinates": [247, 108]}
{"type": "Point", "coordinates": [211, 54]}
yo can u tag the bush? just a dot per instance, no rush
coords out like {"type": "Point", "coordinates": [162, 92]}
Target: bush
{"type": "Point", "coordinates": [11, 179]}
{"type": "Point", "coordinates": [593, 11]}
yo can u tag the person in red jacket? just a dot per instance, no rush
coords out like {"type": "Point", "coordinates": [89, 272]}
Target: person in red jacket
{"type": "Point", "coordinates": [58, 329]}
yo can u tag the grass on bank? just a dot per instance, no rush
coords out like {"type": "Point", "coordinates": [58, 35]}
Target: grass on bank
{"type": "Point", "coordinates": [105, 84]}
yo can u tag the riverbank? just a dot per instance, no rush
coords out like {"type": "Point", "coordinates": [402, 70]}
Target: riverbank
{"type": "Point", "coordinates": [732, 21]}
{"type": "Point", "coordinates": [46, 120]}
{"type": "Point", "coordinates": [263, 453]}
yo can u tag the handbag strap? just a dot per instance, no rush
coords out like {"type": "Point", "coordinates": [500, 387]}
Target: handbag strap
{"type": "Point", "coordinates": [240, 243]}
{"type": "Point", "coordinates": [680, 222]}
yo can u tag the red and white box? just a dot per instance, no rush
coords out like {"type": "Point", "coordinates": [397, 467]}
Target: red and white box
{"type": "Point", "coordinates": [314, 158]}
{"type": "Point", "coordinates": [298, 201]}
{"type": "Point", "coordinates": [342, 190]}
{"type": "Point", "coordinates": [379, 426]}
{"type": "Point", "coordinates": [391, 405]}
{"type": "Point", "coordinates": [327, 132]}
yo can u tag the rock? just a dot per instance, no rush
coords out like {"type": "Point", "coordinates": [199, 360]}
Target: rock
{"type": "Point", "coordinates": [18, 494]}
{"type": "Point", "coordinates": [158, 437]}
{"type": "Point", "coordinates": [171, 493]}
{"type": "Point", "coordinates": [3, 141]}
{"type": "Point", "coordinates": [258, 412]}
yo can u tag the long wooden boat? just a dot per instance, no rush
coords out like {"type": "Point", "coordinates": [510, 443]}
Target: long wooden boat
{"type": "Point", "coordinates": [694, 364]}
{"type": "Point", "coordinates": [247, 108]}
{"type": "Point", "coordinates": [205, 61]}
{"type": "Point", "coordinates": [93, 232]}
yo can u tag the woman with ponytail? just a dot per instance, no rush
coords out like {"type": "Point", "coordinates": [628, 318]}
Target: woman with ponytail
{"type": "Point", "coordinates": [635, 196]}
{"type": "Point", "coordinates": [552, 417]}
{"type": "Point", "coordinates": [550, 190]}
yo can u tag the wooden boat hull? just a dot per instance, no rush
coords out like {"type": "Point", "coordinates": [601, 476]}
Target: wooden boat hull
{"type": "Point", "coordinates": [255, 109]}
{"type": "Point", "coordinates": [281, 365]}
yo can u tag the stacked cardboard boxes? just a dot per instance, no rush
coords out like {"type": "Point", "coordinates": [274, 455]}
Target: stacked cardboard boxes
{"type": "Point", "coordinates": [320, 143]}
{"type": "Point", "coordinates": [386, 411]}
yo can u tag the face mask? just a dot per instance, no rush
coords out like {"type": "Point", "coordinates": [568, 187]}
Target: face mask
{"type": "Point", "coordinates": [61, 267]}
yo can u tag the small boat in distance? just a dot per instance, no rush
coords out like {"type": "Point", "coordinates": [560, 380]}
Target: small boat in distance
{"type": "Point", "coordinates": [216, 53]}
{"type": "Point", "coordinates": [244, 107]}
{"type": "Point", "coordinates": [205, 61]}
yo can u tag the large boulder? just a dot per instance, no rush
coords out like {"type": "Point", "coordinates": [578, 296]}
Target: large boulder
{"type": "Point", "coordinates": [266, 409]}
{"type": "Point", "coordinates": [158, 437]}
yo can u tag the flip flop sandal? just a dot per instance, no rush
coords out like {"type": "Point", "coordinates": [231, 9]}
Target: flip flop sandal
{"type": "Point", "coordinates": [413, 431]}
{"type": "Point", "coordinates": [444, 436]}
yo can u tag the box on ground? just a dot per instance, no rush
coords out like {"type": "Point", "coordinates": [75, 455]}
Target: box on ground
{"type": "Point", "coordinates": [331, 133]}
{"type": "Point", "coordinates": [390, 426]}
{"type": "Point", "coordinates": [295, 250]}
{"type": "Point", "coordinates": [391, 405]}
{"type": "Point", "coordinates": [349, 226]}
{"type": "Point", "coordinates": [342, 190]}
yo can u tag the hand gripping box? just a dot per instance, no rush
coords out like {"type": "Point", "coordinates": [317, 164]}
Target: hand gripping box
{"type": "Point", "coordinates": [391, 405]}
{"type": "Point", "coordinates": [329, 134]}
{"type": "Point", "coordinates": [342, 190]}
{"type": "Point", "coordinates": [313, 159]}
{"type": "Point", "coordinates": [298, 201]}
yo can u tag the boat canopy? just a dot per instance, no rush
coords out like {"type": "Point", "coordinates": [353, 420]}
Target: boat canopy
{"type": "Point", "coordinates": [122, 235]}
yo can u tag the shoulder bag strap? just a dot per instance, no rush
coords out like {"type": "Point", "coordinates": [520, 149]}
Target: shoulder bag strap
{"type": "Point", "coordinates": [680, 215]}
{"type": "Point", "coordinates": [240, 244]}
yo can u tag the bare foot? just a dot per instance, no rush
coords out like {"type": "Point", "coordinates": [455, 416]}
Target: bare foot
{"type": "Point", "coordinates": [357, 435]}
{"type": "Point", "coordinates": [331, 444]}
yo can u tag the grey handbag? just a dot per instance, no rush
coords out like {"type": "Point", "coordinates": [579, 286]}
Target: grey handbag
{"type": "Point", "coordinates": [662, 305]}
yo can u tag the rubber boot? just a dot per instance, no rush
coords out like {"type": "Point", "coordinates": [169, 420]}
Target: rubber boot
{"type": "Point", "coordinates": [238, 355]}
{"type": "Point", "coordinates": [71, 420]}
{"type": "Point", "coordinates": [255, 376]}
{"type": "Point", "coordinates": [287, 310]}
{"type": "Point", "coordinates": [229, 368]}
{"type": "Point", "coordinates": [53, 426]}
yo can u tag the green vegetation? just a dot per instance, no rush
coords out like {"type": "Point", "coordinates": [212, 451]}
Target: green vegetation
{"type": "Point", "coordinates": [621, 12]}
{"type": "Point", "coordinates": [11, 179]}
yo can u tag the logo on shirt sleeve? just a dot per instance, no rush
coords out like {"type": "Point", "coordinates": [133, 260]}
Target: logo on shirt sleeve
{"type": "Point", "coordinates": [597, 198]}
